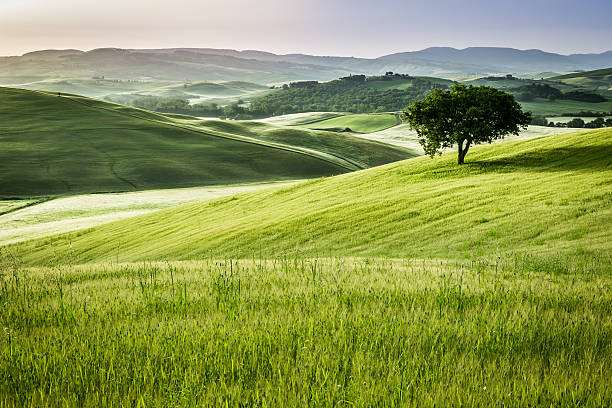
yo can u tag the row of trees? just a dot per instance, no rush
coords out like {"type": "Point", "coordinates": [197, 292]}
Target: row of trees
{"type": "Point", "coordinates": [598, 122]}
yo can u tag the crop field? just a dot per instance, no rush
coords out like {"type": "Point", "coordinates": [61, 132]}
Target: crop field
{"type": "Point", "coordinates": [413, 283]}
{"type": "Point", "coordinates": [28, 219]}
{"type": "Point", "coordinates": [296, 331]}
{"type": "Point", "coordinates": [561, 183]}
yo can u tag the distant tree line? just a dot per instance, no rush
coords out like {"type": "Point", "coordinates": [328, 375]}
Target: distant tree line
{"type": "Point", "coordinates": [177, 105]}
{"type": "Point", "coordinates": [355, 93]}
{"type": "Point", "coordinates": [348, 94]}
{"type": "Point", "coordinates": [530, 92]}
{"type": "Point", "coordinates": [598, 122]}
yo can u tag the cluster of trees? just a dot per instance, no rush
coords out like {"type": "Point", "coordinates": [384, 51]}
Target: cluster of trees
{"type": "Point", "coordinates": [598, 122]}
{"type": "Point", "coordinates": [177, 105]}
{"type": "Point", "coordinates": [348, 94]}
{"type": "Point", "coordinates": [529, 92]}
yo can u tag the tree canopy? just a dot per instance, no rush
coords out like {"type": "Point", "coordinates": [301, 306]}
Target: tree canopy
{"type": "Point", "coordinates": [464, 115]}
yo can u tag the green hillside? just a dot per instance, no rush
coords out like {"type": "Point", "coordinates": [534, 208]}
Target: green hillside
{"type": "Point", "coordinates": [69, 144]}
{"type": "Point", "coordinates": [548, 196]}
{"type": "Point", "coordinates": [360, 123]}
{"type": "Point", "coordinates": [598, 79]}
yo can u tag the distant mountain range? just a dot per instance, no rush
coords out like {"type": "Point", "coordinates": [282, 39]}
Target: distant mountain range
{"type": "Point", "coordinates": [178, 64]}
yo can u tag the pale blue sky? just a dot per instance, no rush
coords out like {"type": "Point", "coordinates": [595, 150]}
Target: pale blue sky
{"type": "Point", "coordinates": [324, 27]}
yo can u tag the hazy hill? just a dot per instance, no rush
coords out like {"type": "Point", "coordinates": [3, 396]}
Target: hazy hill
{"type": "Point", "coordinates": [178, 64]}
{"type": "Point", "coordinates": [72, 144]}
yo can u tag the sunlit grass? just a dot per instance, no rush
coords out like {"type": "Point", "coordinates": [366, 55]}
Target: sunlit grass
{"type": "Point", "coordinates": [296, 331]}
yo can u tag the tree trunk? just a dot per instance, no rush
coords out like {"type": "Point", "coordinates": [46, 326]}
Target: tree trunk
{"type": "Point", "coordinates": [463, 150]}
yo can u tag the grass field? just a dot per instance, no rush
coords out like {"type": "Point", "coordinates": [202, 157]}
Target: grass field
{"type": "Point", "coordinates": [305, 332]}
{"type": "Point", "coordinates": [296, 119]}
{"type": "Point", "coordinates": [543, 107]}
{"type": "Point", "coordinates": [599, 80]}
{"type": "Point", "coordinates": [72, 145]}
{"type": "Point", "coordinates": [359, 123]}
{"type": "Point", "coordinates": [22, 220]}
{"type": "Point", "coordinates": [418, 283]}
{"type": "Point", "coordinates": [560, 183]}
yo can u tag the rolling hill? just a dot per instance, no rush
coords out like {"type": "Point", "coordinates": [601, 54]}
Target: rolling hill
{"type": "Point", "coordinates": [600, 79]}
{"type": "Point", "coordinates": [179, 64]}
{"type": "Point", "coordinates": [70, 144]}
{"type": "Point", "coordinates": [545, 197]}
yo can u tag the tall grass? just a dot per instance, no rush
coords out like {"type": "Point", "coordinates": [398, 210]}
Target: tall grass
{"type": "Point", "coordinates": [307, 331]}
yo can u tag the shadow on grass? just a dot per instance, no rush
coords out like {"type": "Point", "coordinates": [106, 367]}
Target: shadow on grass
{"type": "Point", "coordinates": [556, 159]}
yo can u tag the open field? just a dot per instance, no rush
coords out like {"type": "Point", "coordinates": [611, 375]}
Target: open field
{"type": "Point", "coordinates": [418, 283]}
{"type": "Point", "coordinates": [600, 80]}
{"type": "Point", "coordinates": [543, 107]}
{"type": "Point", "coordinates": [561, 183]}
{"type": "Point", "coordinates": [65, 214]}
{"type": "Point", "coordinates": [363, 123]}
{"type": "Point", "coordinates": [295, 332]}
{"type": "Point", "coordinates": [296, 119]}
{"type": "Point", "coordinates": [72, 145]}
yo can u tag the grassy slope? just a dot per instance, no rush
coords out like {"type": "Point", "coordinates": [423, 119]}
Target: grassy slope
{"type": "Point", "coordinates": [70, 144]}
{"type": "Point", "coordinates": [361, 123]}
{"type": "Point", "coordinates": [295, 119]}
{"type": "Point", "coordinates": [350, 148]}
{"type": "Point", "coordinates": [541, 196]}
{"type": "Point", "coordinates": [600, 79]}
{"type": "Point", "coordinates": [22, 220]}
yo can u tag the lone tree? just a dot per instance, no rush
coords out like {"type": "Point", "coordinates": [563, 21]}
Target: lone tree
{"type": "Point", "coordinates": [465, 115]}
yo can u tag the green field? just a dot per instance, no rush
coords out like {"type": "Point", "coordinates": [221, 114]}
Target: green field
{"type": "Point", "coordinates": [305, 332]}
{"type": "Point", "coordinates": [418, 283]}
{"type": "Point", "coordinates": [305, 118]}
{"type": "Point", "coordinates": [356, 123]}
{"type": "Point", "coordinates": [600, 80]}
{"type": "Point", "coordinates": [561, 183]}
{"type": "Point", "coordinates": [543, 107]}
{"type": "Point", "coordinates": [22, 220]}
{"type": "Point", "coordinates": [72, 145]}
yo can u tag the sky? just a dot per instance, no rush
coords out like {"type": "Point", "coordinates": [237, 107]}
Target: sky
{"type": "Point", "coordinates": [357, 28]}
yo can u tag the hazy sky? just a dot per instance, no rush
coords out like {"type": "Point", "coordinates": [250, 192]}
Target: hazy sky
{"type": "Point", "coordinates": [323, 27]}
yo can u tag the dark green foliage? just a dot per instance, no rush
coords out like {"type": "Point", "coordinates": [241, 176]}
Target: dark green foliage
{"type": "Point", "coordinates": [356, 94]}
{"type": "Point", "coordinates": [532, 91]}
{"type": "Point", "coordinates": [539, 121]}
{"type": "Point", "coordinates": [583, 96]}
{"type": "Point", "coordinates": [465, 115]}
{"type": "Point", "coordinates": [576, 123]}
{"type": "Point", "coordinates": [596, 123]}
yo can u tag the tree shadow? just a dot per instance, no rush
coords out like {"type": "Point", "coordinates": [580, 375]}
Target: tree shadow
{"type": "Point", "coordinates": [597, 157]}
